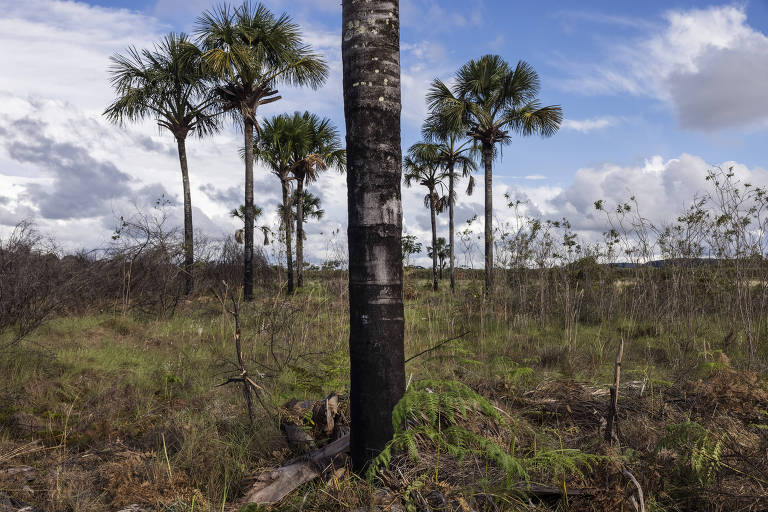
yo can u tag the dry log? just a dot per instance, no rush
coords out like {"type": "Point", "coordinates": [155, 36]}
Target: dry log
{"type": "Point", "coordinates": [273, 486]}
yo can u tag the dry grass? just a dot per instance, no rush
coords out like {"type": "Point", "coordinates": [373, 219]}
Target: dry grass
{"type": "Point", "coordinates": [112, 411]}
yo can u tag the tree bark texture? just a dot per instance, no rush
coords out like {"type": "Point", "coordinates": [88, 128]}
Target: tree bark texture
{"type": "Point", "coordinates": [488, 165]}
{"type": "Point", "coordinates": [287, 225]}
{"type": "Point", "coordinates": [189, 249]}
{"type": "Point", "coordinates": [432, 208]}
{"type": "Point", "coordinates": [451, 227]}
{"type": "Point", "coordinates": [299, 233]}
{"type": "Point", "coordinates": [248, 249]}
{"type": "Point", "coordinates": [371, 63]}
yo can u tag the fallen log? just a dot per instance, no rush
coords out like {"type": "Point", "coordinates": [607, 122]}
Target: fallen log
{"type": "Point", "coordinates": [273, 486]}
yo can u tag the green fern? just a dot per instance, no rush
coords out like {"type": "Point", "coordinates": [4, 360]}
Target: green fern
{"type": "Point", "coordinates": [430, 410]}
{"type": "Point", "coordinates": [701, 451]}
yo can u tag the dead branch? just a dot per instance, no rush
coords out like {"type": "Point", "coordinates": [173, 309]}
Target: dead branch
{"type": "Point", "coordinates": [438, 345]}
{"type": "Point", "coordinates": [611, 430]}
{"type": "Point", "coordinates": [273, 486]}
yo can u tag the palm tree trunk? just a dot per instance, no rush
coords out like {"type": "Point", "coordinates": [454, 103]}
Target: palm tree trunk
{"type": "Point", "coordinates": [434, 238]}
{"type": "Point", "coordinates": [287, 224]}
{"type": "Point", "coordinates": [299, 233]}
{"type": "Point", "coordinates": [450, 226]}
{"type": "Point", "coordinates": [189, 250]}
{"type": "Point", "coordinates": [248, 250]}
{"type": "Point", "coordinates": [488, 165]}
{"type": "Point", "coordinates": [371, 54]}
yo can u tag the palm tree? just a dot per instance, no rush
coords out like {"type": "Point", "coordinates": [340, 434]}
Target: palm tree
{"type": "Point", "coordinates": [492, 99]}
{"type": "Point", "coordinates": [442, 252]}
{"type": "Point", "coordinates": [275, 148]}
{"type": "Point", "coordinates": [239, 213]}
{"type": "Point", "coordinates": [370, 54]}
{"type": "Point", "coordinates": [251, 51]}
{"type": "Point", "coordinates": [322, 149]}
{"type": "Point", "coordinates": [456, 153]}
{"type": "Point", "coordinates": [422, 166]}
{"type": "Point", "coordinates": [168, 84]}
{"type": "Point", "coordinates": [310, 209]}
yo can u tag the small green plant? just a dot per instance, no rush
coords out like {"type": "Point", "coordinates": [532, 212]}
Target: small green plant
{"type": "Point", "coordinates": [700, 450]}
{"type": "Point", "coordinates": [430, 411]}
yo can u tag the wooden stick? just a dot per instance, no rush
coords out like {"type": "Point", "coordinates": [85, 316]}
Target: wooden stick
{"type": "Point", "coordinates": [629, 475]}
{"type": "Point", "coordinates": [611, 430]}
{"type": "Point", "coordinates": [273, 486]}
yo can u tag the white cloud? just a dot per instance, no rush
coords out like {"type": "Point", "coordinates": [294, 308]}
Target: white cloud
{"type": "Point", "coordinates": [535, 177]}
{"type": "Point", "coordinates": [588, 125]}
{"type": "Point", "coordinates": [709, 65]}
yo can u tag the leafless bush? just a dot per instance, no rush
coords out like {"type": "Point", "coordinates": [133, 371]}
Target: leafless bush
{"type": "Point", "coordinates": [29, 283]}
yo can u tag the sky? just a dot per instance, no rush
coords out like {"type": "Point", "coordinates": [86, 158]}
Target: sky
{"type": "Point", "coordinates": [653, 93]}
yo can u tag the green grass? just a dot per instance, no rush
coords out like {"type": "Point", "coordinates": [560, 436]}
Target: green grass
{"type": "Point", "coordinates": [103, 383]}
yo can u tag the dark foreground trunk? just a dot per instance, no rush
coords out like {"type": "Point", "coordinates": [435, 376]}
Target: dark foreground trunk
{"type": "Point", "coordinates": [299, 233]}
{"type": "Point", "coordinates": [432, 208]}
{"type": "Point", "coordinates": [288, 224]}
{"type": "Point", "coordinates": [450, 227]}
{"type": "Point", "coordinates": [371, 61]}
{"type": "Point", "coordinates": [189, 249]}
{"type": "Point", "coordinates": [488, 164]}
{"type": "Point", "coordinates": [248, 250]}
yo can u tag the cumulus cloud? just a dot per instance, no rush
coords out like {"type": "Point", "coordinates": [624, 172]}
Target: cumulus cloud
{"type": "Point", "coordinates": [587, 125]}
{"type": "Point", "coordinates": [709, 64]}
{"type": "Point", "coordinates": [662, 188]}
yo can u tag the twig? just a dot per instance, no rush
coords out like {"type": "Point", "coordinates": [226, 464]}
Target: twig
{"type": "Point", "coordinates": [629, 475]}
{"type": "Point", "coordinates": [435, 347]}
{"type": "Point", "coordinates": [611, 430]}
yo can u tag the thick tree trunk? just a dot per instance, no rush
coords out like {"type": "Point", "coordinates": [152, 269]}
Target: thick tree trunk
{"type": "Point", "coordinates": [450, 227]}
{"type": "Point", "coordinates": [488, 164]}
{"type": "Point", "coordinates": [287, 225]}
{"type": "Point", "coordinates": [248, 250]}
{"type": "Point", "coordinates": [371, 61]}
{"type": "Point", "coordinates": [299, 233]}
{"type": "Point", "coordinates": [189, 249]}
{"type": "Point", "coordinates": [434, 238]}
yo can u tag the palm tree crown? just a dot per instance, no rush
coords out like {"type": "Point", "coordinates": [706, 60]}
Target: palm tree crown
{"type": "Point", "coordinates": [251, 51]}
{"type": "Point", "coordinates": [167, 83]}
{"type": "Point", "coordinates": [492, 99]}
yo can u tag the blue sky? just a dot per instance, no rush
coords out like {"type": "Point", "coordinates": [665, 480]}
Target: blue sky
{"type": "Point", "coordinates": [653, 93]}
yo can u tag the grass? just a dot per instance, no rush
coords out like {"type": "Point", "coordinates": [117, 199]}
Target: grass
{"type": "Point", "coordinates": [126, 410]}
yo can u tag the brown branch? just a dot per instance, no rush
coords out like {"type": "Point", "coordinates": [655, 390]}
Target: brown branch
{"type": "Point", "coordinates": [435, 347]}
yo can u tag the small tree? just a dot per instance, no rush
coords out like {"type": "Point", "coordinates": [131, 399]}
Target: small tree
{"type": "Point", "coordinates": [410, 247]}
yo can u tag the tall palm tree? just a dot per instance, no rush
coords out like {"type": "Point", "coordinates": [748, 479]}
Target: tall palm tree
{"type": "Point", "coordinates": [168, 84]}
{"type": "Point", "coordinates": [275, 148]}
{"type": "Point", "coordinates": [492, 99]}
{"type": "Point", "coordinates": [322, 149]}
{"type": "Point", "coordinates": [442, 251]}
{"type": "Point", "coordinates": [457, 156]}
{"type": "Point", "coordinates": [370, 54]}
{"type": "Point", "coordinates": [251, 52]}
{"type": "Point", "coordinates": [422, 166]}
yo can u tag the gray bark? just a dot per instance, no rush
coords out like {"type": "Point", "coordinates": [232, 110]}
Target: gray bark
{"type": "Point", "coordinates": [288, 224]}
{"type": "Point", "coordinates": [248, 250]}
{"type": "Point", "coordinates": [300, 233]}
{"type": "Point", "coordinates": [189, 250]}
{"type": "Point", "coordinates": [450, 226]}
{"type": "Point", "coordinates": [371, 63]}
{"type": "Point", "coordinates": [488, 165]}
